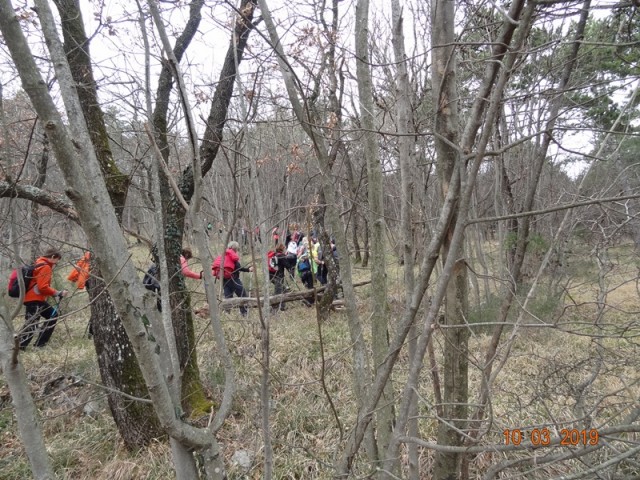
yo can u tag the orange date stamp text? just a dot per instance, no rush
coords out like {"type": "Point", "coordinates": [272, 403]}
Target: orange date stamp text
{"type": "Point", "coordinates": [541, 437]}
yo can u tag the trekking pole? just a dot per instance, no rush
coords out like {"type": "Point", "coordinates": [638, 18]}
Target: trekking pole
{"type": "Point", "coordinates": [56, 311]}
{"type": "Point", "coordinates": [290, 278]}
{"type": "Point", "coordinates": [56, 306]}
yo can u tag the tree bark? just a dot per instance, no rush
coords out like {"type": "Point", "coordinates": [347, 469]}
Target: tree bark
{"type": "Point", "coordinates": [26, 412]}
{"type": "Point", "coordinates": [34, 216]}
{"type": "Point", "coordinates": [76, 48]}
{"type": "Point", "coordinates": [192, 391]}
{"type": "Point", "coordinates": [308, 117]}
{"type": "Point", "coordinates": [354, 213]}
{"type": "Point", "coordinates": [455, 366]}
{"type": "Point", "coordinates": [27, 415]}
{"type": "Point", "coordinates": [136, 422]}
{"type": "Point", "coordinates": [72, 148]}
{"type": "Point", "coordinates": [406, 160]}
{"type": "Point", "coordinates": [379, 320]}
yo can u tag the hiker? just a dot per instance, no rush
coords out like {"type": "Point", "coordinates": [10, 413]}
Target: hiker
{"type": "Point", "coordinates": [35, 300]}
{"type": "Point", "coordinates": [151, 280]}
{"type": "Point", "coordinates": [231, 269]}
{"type": "Point", "coordinates": [292, 251]}
{"type": "Point", "coordinates": [80, 272]}
{"type": "Point", "coordinates": [278, 261]}
{"type": "Point", "coordinates": [292, 247]}
{"type": "Point", "coordinates": [319, 258]}
{"type": "Point", "coordinates": [244, 237]}
{"type": "Point", "coordinates": [297, 235]}
{"type": "Point", "coordinates": [306, 268]}
{"type": "Point", "coordinates": [276, 270]}
{"type": "Point", "coordinates": [187, 255]}
{"type": "Point", "coordinates": [336, 256]}
{"type": "Point", "coordinates": [79, 275]}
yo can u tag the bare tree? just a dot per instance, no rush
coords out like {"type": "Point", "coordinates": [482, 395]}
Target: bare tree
{"type": "Point", "coordinates": [380, 319]}
{"type": "Point", "coordinates": [10, 364]}
{"type": "Point", "coordinates": [209, 147]}
{"type": "Point", "coordinates": [74, 153]}
{"type": "Point", "coordinates": [119, 370]}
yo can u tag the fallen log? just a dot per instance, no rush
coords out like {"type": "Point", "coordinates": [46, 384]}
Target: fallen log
{"type": "Point", "coordinates": [274, 300]}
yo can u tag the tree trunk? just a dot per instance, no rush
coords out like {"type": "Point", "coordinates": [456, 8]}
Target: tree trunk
{"type": "Point", "coordinates": [76, 47]}
{"type": "Point", "coordinates": [192, 392]}
{"type": "Point", "coordinates": [447, 465]}
{"type": "Point", "coordinates": [354, 213]}
{"type": "Point", "coordinates": [379, 320]}
{"type": "Point", "coordinates": [34, 216]}
{"type": "Point", "coordinates": [136, 421]}
{"type": "Point", "coordinates": [25, 409]}
{"type": "Point", "coordinates": [454, 374]}
{"type": "Point", "coordinates": [365, 243]}
{"type": "Point", "coordinates": [26, 412]}
{"type": "Point", "coordinates": [406, 157]}
{"type": "Point", "coordinates": [325, 302]}
{"type": "Point", "coordinates": [72, 146]}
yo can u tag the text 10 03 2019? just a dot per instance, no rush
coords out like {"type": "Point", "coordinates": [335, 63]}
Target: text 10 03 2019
{"type": "Point", "coordinates": [541, 437]}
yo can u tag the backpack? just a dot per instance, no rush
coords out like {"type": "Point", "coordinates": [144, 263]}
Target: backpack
{"type": "Point", "coordinates": [216, 267]}
{"type": "Point", "coordinates": [150, 280]}
{"type": "Point", "coordinates": [228, 266]}
{"type": "Point", "coordinates": [272, 261]}
{"type": "Point", "coordinates": [304, 264]}
{"type": "Point", "coordinates": [13, 289]}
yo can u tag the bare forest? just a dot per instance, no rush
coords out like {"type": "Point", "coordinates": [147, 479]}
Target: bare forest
{"type": "Point", "coordinates": [459, 177]}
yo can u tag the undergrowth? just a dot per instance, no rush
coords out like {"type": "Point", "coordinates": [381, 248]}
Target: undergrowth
{"type": "Point", "coordinates": [541, 378]}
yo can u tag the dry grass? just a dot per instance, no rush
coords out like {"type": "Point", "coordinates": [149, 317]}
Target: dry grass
{"type": "Point", "coordinates": [538, 386]}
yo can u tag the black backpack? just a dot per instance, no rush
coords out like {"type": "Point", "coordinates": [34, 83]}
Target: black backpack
{"type": "Point", "coordinates": [150, 280]}
{"type": "Point", "coordinates": [13, 289]}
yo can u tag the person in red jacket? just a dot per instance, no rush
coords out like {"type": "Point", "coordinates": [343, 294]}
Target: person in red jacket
{"type": "Point", "coordinates": [35, 301]}
{"type": "Point", "coordinates": [231, 269]}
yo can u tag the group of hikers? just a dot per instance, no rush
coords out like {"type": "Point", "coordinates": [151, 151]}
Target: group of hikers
{"type": "Point", "coordinates": [302, 255]}
{"type": "Point", "coordinates": [38, 289]}
{"type": "Point", "coordinates": [299, 254]}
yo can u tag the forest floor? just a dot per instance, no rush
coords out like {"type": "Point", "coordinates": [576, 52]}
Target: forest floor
{"type": "Point", "coordinates": [583, 326]}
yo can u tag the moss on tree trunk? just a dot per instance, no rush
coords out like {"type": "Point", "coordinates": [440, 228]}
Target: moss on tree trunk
{"type": "Point", "coordinates": [119, 370]}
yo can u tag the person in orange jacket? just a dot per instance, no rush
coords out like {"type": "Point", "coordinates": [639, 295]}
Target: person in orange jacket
{"type": "Point", "coordinates": [80, 272]}
{"type": "Point", "coordinates": [35, 301]}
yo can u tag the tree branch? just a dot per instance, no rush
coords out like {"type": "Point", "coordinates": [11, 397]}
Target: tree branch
{"type": "Point", "coordinates": [544, 211]}
{"type": "Point", "coordinates": [41, 197]}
